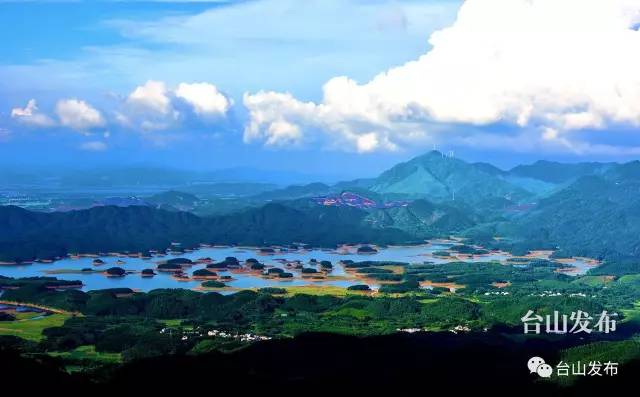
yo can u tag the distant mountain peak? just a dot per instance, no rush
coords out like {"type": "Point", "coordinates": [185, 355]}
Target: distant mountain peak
{"type": "Point", "coordinates": [440, 177]}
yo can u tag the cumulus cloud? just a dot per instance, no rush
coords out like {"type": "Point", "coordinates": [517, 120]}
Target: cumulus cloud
{"type": "Point", "coordinates": [152, 96]}
{"type": "Point", "coordinates": [204, 98]}
{"type": "Point", "coordinates": [544, 65]}
{"type": "Point", "coordinates": [78, 115]}
{"type": "Point", "coordinates": [153, 106]}
{"type": "Point", "coordinates": [31, 115]}
{"type": "Point", "coordinates": [73, 113]}
{"type": "Point", "coordinates": [275, 117]}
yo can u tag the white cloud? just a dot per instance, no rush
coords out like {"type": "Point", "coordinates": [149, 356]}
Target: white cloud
{"type": "Point", "coordinates": [148, 107]}
{"type": "Point", "coordinates": [204, 98]}
{"type": "Point", "coordinates": [94, 146]}
{"type": "Point", "coordinates": [278, 119]}
{"type": "Point", "coordinates": [152, 96]}
{"type": "Point", "coordinates": [78, 115]}
{"type": "Point", "coordinates": [367, 142]}
{"type": "Point", "coordinates": [152, 106]}
{"type": "Point", "coordinates": [26, 111]}
{"type": "Point", "coordinates": [31, 115]}
{"type": "Point", "coordinates": [283, 132]}
{"type": "Point", "coordinates": [268, 112]}
{"type": "Point", "coordinates": [546, 65]}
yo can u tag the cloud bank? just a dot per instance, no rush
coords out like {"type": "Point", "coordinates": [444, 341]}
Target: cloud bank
{"type": "Point", "coordinates": [151, 106]}
{"type": "Point", "coordinates": [509, 74]}
{"type": "Point", "coordinates": [549, 67]}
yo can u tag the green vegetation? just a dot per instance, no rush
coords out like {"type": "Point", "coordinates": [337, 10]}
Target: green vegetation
{"type": "Point", "coordinates": [469, 250]}
{"type": "Point", "coordinates": [140, 228]}
{"type": "Point", "coordinates": [435, 177]}
{"type": "Point", "coordinates": [359, 287]}
{"type": "Point", "coordinates": [366, 249]}
{"type": "Point", "coordinates": [326, 265]}
{"type": "Point", "coordinates": [596, 216]}
{"type": "Point", "coordinates": [116, 271]}
{"type": "Point", "coordinates": [403, 287]}
{"type": "Point", "coordinates": [84, 355]}
{"type": "Point", "coordinates": [619, 352]}
{"type": "Point", "coordinates": [204, 273]}
{"type": "Point", "coordinates": [44, 282]}
{"type": "Point", "coordinates": [374, 270]}
{"type": "Point", "coordinates": [349, 264]}
{"type": "Point", "coordinates": [180, 261]}
{"type": "Point", "coordinates": [587, 210]}
{"type": "Point", "coordinates": [169, 267]}
{"type": "Point", "coordinates": [213, 284]}
{"type": "Point", "coordinates": [273, 290]}
{"type": "Point", "coordinates": [120, 325]}
{"type": "Point", "coordinates": [31, 325]}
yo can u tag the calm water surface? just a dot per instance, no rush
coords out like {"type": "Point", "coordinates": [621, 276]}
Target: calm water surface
{"type": "Point", "coordinates": [93, 281]}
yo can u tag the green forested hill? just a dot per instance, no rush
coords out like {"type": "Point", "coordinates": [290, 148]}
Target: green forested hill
{"type": "Point", "coordinates": [26, 235]}
{"type": "Point", "coordinates": [440, 178]}
{"type": "Point", "coordinates": [317, 225]}
{"type": "Point", "coordinates": [424, 219]}
{"type": "Point", "coordinates": [596, 216]}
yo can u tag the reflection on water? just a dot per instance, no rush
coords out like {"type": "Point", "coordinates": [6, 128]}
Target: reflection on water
{"type": "Point", "coordinates": [92, 281]}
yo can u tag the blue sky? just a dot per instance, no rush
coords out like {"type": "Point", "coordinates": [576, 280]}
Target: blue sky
{"type": "Point", "coordinates": [311, 85]}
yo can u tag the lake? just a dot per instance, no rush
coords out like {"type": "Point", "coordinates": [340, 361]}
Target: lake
{"type": "Point", "coordinates": [69, 268]}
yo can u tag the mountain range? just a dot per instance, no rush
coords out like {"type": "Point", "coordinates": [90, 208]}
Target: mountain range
{"type": "Point", "coordinates": [440, 178]}
{"type": "Point", "coordinates": [586, 209]}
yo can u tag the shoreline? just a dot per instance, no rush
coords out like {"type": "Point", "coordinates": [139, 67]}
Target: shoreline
{"type": "Point", "coordinates": [278, 257]}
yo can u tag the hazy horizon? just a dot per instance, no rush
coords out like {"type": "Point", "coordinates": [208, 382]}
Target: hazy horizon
{"type": "Point", "coordinates": [272, 174]}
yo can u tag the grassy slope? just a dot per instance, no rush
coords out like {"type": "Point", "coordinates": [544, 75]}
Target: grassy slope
{"type": "Point", "coordinates": [28, 327]}
{"type": "Point", "coordinates": [89, 353]}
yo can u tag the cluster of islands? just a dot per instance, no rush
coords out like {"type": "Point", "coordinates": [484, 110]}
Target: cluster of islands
{"type": "Point", "coordinates": [227, 269]}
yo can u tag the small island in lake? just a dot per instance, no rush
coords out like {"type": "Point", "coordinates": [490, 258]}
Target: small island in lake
{"type": "Point", "coordinates": [366, 249]}
{"type": "Point", "coordinates": [115, 272]}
